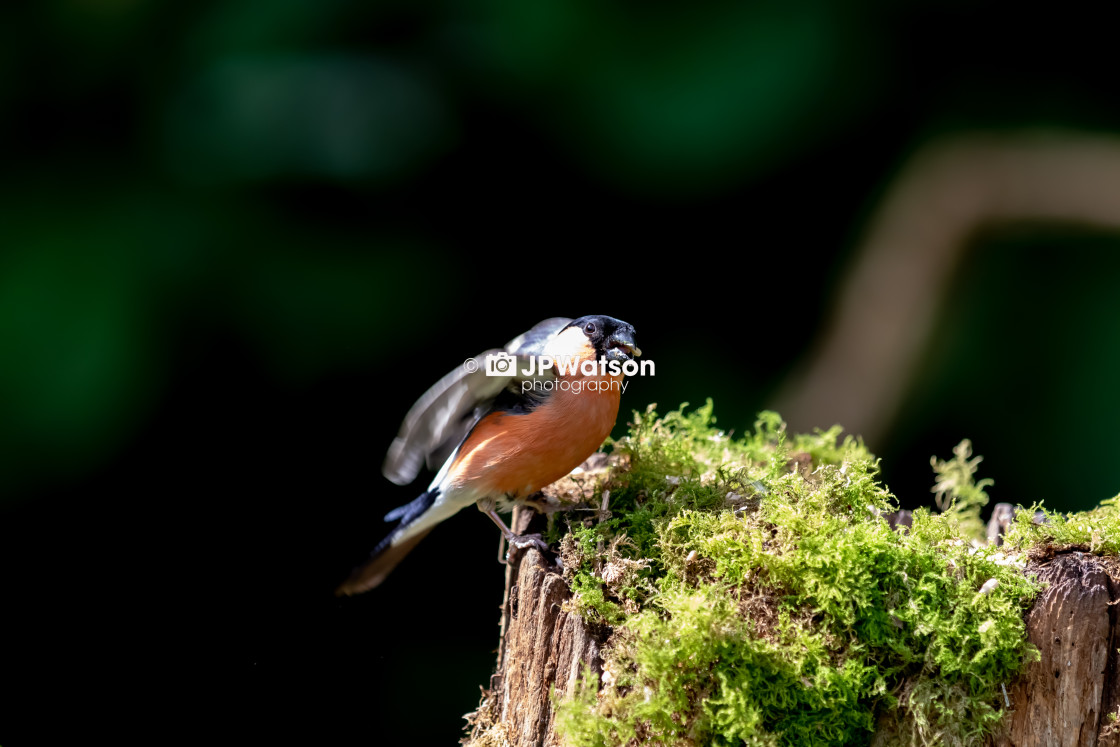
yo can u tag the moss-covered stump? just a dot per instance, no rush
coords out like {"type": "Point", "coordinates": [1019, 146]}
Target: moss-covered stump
{"type": "Point", "coordinates": [711, 590]}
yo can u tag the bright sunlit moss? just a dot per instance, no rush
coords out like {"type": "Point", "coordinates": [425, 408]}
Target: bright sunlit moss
{"type": "Point", "coordinates": [1096, 531]}
{"type": "Point", "coordinates": [755, 595]}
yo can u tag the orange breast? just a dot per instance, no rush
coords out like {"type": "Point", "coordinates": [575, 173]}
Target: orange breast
{"type": "Point", "coordinates": [517, 455]}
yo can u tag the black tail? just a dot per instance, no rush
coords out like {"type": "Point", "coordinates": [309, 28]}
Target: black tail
{"type": "Point", "coordinates": [409, 511]}
{"type": "Point", "coordinates": [386, 555]}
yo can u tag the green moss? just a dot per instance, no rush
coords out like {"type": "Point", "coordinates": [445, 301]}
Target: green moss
{"type": "Point", "coordinates": [755, 595]}
{"type": "Point", "coordinates": [958, 493]}
{"type": "Point", "coordinates": [1096, 531]}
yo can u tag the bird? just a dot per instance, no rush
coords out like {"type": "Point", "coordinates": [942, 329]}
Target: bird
{"type": "Point", "coordinates": [498, 434]}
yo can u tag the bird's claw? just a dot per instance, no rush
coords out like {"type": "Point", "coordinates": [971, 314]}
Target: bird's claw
{"type": "Point", "coordinates": [525, 541]}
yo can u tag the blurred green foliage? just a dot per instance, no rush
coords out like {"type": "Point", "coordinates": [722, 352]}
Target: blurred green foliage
{"type": "Point", "coordinates": [674, 97]}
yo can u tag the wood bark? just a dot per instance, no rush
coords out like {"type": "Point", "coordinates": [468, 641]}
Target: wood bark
{"type": "Point", "coordinates": [542, 653]}
{"type": "Point", "coordinates": [1063, 700]}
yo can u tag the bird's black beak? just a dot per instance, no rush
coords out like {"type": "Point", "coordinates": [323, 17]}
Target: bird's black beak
{"type": "Point", "coordinates": [621, 347]}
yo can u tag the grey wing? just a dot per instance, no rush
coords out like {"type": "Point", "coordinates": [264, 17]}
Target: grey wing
{"type": "Point", "coordinates": [534, 341]}
{"type": "Point", "coordinates": [445, 414]}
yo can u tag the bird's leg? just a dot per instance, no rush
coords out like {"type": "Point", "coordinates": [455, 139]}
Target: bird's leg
{"type": "Point", "coordinates": [515, 540]}
{"type": "Point", "coordinates": [502, 549]}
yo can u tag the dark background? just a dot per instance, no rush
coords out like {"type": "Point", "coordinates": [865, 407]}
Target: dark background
{"type": "Point", "coordinates": [238, 239]}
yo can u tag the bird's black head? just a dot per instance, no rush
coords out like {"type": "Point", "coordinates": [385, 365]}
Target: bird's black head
{"type": "Point", "coordinates": [612, 339]}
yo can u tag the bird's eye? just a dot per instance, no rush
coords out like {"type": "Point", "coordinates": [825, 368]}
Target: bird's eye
{"type": "Point", "coordinates": [590, 328]}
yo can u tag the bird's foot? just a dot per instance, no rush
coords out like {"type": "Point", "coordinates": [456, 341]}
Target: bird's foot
{"type": "Point", "coordinates": [519, 541]}
{"type": "Point", "coordinates": [525, 541]}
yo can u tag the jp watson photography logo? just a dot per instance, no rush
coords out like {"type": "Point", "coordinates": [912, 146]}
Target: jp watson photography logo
{"type": "Point", "coordinates": [540, 372]}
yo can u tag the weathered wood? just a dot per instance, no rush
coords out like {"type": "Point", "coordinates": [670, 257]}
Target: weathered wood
{"type": "Point", "coordinates": [1063, 700]}
{"type": "Point", "coordinates": [542, 652]}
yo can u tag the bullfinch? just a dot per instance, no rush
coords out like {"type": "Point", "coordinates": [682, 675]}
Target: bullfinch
{"type": "Point", "coordinates": [501, 427]}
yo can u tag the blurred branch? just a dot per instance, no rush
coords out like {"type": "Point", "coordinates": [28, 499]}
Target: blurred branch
{"type": "Point", "coordinates": [866, 358]}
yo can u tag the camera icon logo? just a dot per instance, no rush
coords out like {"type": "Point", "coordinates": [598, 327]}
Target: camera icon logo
{"type": "Point", "coordinates": [501, 364]}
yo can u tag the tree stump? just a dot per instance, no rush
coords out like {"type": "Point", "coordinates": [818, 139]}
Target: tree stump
{"type": "Point", "coordinates": [543, 650]}
{"type": "Point", "coordinates": [1063, 700]}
